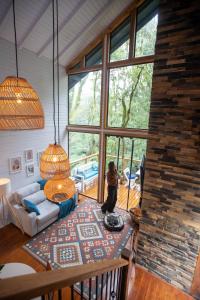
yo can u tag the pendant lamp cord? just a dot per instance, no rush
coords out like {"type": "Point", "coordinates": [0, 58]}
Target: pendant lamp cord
{"type": "Point", "coordinates": [54, 104]}
{"type": "Point", "coordinates": [58, 80]}
{"type": "Point", "coordinates": [15, 32]}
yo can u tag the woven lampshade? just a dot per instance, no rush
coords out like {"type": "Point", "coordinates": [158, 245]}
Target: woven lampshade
{"type": "Point", "coordinates": [20, 107]}
{"type": "Point", "coordinates": [54, 163]}
{"type": "Point", "coordinates": [59, 190]}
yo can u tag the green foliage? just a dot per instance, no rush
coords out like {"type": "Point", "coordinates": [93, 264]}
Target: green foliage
{"type": "Point", "coordinates": [146, 38]}
{"type": "Point", "coordinates": [129, 96]}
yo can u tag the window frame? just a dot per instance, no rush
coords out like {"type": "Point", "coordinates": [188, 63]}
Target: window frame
{"type": "Point", "coordinates": [103, 129]}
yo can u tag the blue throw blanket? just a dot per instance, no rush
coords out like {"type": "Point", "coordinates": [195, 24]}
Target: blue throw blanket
{"type": "Point", "coordinates": [66, 207]}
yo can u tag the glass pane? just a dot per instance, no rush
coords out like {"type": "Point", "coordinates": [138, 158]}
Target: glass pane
{"type": "Point", "coordinates": [129, 96]}
{"type": "Point", "coordinates": [146, 38]}
{"type": "Point", "coordinates": [84, 161]}
{"type": "Point", "coordinates": [84, 98]}
{"type": "Point", "coordinates": [124, 164]}
{"type": "Point", "coordinates": [77, 66]}
{"type": "Point", "coordinates": [95, 56]}
{"type": "Point", "coordinates": [119, 41]}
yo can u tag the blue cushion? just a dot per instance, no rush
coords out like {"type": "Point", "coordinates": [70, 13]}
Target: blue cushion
{"type": "Point", "coordinates": [95, 168]}
{"type": "Point", "coordinates": [42, 183]}
{"type": "Point", "coordinates": [31, 207]}
{"type": "Point", "coordinates": [90, 174]}
{"type": "Point", "coordinates": [66, 207]}
{"type": "Point", "coordinates": [132, 176]}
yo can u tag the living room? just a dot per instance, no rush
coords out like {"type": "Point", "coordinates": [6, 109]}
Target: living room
{"type": "Point", "coordinates": [104, 81]}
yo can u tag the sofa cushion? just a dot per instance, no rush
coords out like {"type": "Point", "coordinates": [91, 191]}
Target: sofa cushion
{"type": "Point", "coordinates": [90, 174]}
{"type": "Point", "coordinates": [31, 207]}
{"type": "Point", "coordinates": [35, 198]}
{"type": "Point", "coordinates": [47, 210]}
{"type": "Point", "coordinates": [25, 191]}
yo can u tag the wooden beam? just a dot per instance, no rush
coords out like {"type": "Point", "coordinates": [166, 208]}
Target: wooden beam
{"type": "Point", "coordinates": [86, 26]}
{"type": "Point", "coordinates": [127, 132]}
{"type": "Point", "coordinates": [132, 34]}
{"type": "Point", "coordinates": [62, 25]}
{"type": "Point", "coordinates": [84, 70]}
{"type": "Point", "coordinates": [132, 61]}
{"type": "Point", "coordinates": [120, 18]}
{"type": "Point", "coordinates": [6, 11]}
{"type": "Point", "coordinates": [34, 23]}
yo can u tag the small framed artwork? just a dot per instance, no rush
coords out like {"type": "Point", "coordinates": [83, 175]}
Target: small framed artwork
{"type": "Point", "coordinates": [30, 169]}
{"type": "Point", "coordinates": [15, 164]}
{"type": "Point", "coordinates": [28, 155]}
{"type": "Point", "coordinates": [39, 154]}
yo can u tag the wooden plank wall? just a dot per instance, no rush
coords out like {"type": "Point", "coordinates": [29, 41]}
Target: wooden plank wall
{"type": "Point", "coordinates": [170, 231]}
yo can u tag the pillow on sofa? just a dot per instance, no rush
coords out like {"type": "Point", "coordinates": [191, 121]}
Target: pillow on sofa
{"type": "Point", "coordinates": [42, 183]}
{"type": "Point", "coordinates": [35, 198]}
{"type": "Point", "coordinates": [31, 207]}
{"type": "Point", "coordinates": [95, 166]}
{"type": "Point", "coordinates": [25, 191]}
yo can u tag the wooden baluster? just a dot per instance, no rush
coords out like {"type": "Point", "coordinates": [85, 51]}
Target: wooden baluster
{"type": "Point", "coordinates": [72, 292]}
{"type": "Point", "coordinates": [81, 290]}
{"type": "Point", "coordinates": [59, 294]}
{"type": "Point", "coordinates": [97, 288]}
{"type": "Point", "coordinates": [102, 286]}
{"type": "Point", "coordinates": [90, 288]}
{"type": "Point", "coordinates": [126, 274]}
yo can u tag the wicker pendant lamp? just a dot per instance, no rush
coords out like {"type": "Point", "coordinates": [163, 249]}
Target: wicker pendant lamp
{"type": "Point", "coordinates": [59, 190]}
{"type": "Point", "coordinates": [54, 162]}
{"type": "Point", "coordinates": [20, 107]}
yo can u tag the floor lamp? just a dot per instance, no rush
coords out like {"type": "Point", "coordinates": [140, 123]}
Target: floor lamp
{"type": "Point", "coordinates": [5, 190]}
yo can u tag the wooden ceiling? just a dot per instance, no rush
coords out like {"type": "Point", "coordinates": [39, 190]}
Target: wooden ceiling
{"type": "Point", "coordinates": [80, 21]}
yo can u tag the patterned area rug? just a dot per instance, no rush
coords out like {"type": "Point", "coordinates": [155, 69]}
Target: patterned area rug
{"type": "Point", "coordinates": [79, 238]}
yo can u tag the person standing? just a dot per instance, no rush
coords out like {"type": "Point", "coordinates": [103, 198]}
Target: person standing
{"type": "Point", "coordinates": [112, 181]}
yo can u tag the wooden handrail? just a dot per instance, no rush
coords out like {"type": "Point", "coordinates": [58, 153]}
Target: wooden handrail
{"type": "Point", "coordinates": [37, 284]}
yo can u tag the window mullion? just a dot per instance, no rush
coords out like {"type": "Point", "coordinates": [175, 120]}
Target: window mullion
{"type": "Point", "coordinates": [132, 34]}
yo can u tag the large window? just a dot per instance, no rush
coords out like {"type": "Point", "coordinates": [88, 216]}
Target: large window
{"type": "Point", "coordinates": [84, 98]}
{"type": "Point", "coordinates": [129, 96]}
{"type": "Point", "coordinates": [109, 103]}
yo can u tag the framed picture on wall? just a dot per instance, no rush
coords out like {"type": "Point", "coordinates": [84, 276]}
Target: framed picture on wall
{"type": "Point", "coordinates": [30, 169]}
{"type": "Point", "coordinates": [15, 164]}
{"type": "Point", "coordinates": [39, 154]}
{"type": "Point", "coordinates": [28, 155]}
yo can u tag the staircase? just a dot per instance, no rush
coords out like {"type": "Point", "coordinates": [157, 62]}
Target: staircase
{"type": "Point", "coordinates": [106, 279]}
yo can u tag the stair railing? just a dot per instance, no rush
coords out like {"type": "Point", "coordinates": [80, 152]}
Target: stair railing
{"type": "Point", "coordinates": [106, 280]}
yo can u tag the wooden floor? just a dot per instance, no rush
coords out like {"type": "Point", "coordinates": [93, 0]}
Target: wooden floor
{"type": "Point", "coordinates": [134, 196]}
{"type": "Point", "coordinates": [146, 287]}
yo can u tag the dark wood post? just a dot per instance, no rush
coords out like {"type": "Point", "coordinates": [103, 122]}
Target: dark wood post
{"type": "Point", "coordinates": [126, 274]}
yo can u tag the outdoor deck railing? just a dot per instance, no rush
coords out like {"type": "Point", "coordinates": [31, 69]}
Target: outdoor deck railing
{"type": "Point", "coordinates": [86, 159]}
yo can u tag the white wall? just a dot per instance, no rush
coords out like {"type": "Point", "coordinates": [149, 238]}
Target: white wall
{"type": "Point", "coordinates": [38, 71]}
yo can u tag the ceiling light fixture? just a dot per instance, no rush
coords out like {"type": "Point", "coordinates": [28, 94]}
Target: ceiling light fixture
{"type": "Point", "coordinates": [20, 106]}
{"type": "Point", "coordinates": [54, 162]}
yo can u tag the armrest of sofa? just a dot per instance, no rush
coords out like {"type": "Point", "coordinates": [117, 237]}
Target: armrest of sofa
{"type": "Point", "coordinates": [28, 220]}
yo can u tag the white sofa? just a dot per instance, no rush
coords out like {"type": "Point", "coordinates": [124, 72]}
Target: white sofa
{"type": "Point", "coordinates": [87, 174]}
{"type": "Point", "coordinates": [31, 222]}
